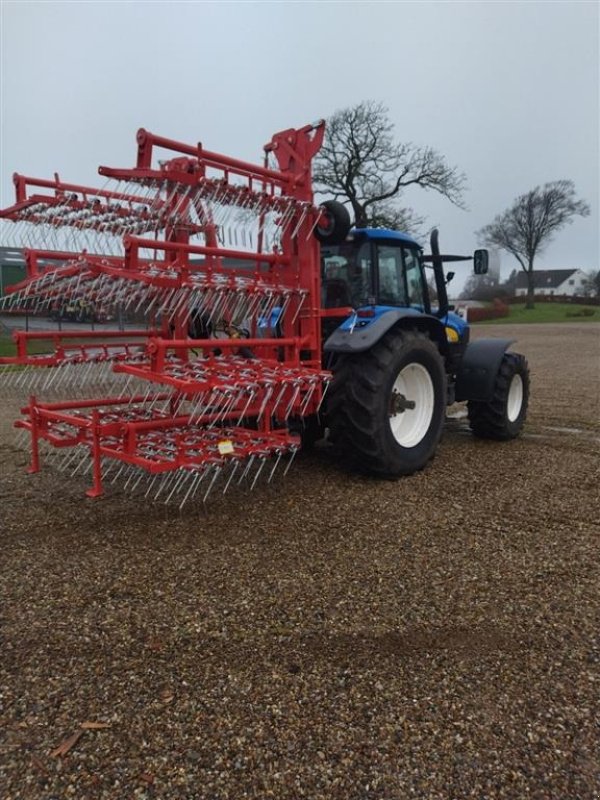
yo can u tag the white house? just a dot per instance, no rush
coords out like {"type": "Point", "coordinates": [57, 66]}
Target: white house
{"type": "Point", "coordinates": [569, 282]}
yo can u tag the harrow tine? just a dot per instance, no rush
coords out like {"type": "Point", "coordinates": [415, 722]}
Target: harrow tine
{"type": "Point", "coordinates": [263, 461]}
{"type": "Point", "coordinates": [275, 465]}
{"type": "Point", "coordinates": [83, 459]}
{"type": "Point", "coordinates": [234, 468]}
{"type": "Point", "coordinates": [217, 471]}
{"type": "Point", "coordinates": [246, 469]}
{"type": "Point", "coordinates": [167, 480]}
{"type": "Point", "coordinates": [69, 458]}
{"type": "Point", "coordinates": [293, 452]}
{"type": "Point", "coordinates": [196, 476]}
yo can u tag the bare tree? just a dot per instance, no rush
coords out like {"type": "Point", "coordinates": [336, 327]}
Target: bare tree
{"type": "Point", "coordinates": [386, 215]}
{"type": "Point", "coordinates": [529, 224]}
{"type": "Point", "coordinates": [480, 287]}
{"type": "Point", "coordinates": [360, 163]}
{"type": "Point", "coordinates": [592, 284]}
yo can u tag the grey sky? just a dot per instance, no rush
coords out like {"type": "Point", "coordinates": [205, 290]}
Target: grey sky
{"type": "Point", "coordinates": [509, 92]}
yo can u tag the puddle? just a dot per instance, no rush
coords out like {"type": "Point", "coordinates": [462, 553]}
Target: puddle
{"type": "Point", "coordinates": [578, 431]}
{"type": "Point", "coordinates": [462, 414]}
{"type": "Point", "coordinates": [588, 435]}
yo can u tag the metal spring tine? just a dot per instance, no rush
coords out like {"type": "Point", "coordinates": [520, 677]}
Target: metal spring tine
{"type": "Point", "coordinates": [234, 399]}
{"type": "Point", "coordinates": [267, 397]}
{"type": "Point", "coordinates": [24, 375]}
{"type": "Point", "coordinates": [287, 299]}
{"type": "Point", "coordinates": [193, 478]}
{"type": "Point", "coordinates": [21, 438]}
{"type": "Point", "coordinates": [246, 469]}
{"type": "Point", "coordinates": [234, 468]}
{"type": "Point", "coordinates": [253, 302]}
{"type": "Point", "coordinates": [119, 472]}
{"type": "Point", "coordinates": [69, 458]}
{"type": "Point", "coordinates": [275, 465]}
{"type": "Point", "coordinates": [301, 300]}
{"type": "Point", "coordinates": [217, 402]}
{"type": "Point", "coordinates": [108, 464]}
{"type": "Point", "coordinates": [217, 471]}
{"type": "Point", "coordinates": [270, 304]}
{"type": "Point", "coordinates": [168, 479]}
{"type": "Point", "coordinates": [305, 208]}
{"type": "Point", "coordinates": [83, 458]}
{"type": "Point", "coordinates": [205, 471]}
{"type": "Point", "coordinates": [132, 472]}
{"type": "Point", "coordinates": [309, 393]}
{"type": "Point", "coordinates": [225, 302]}
{"type": "Point", "coordinates": [228, 398]}
{"type": "Point", "coordinates": [294, 450]}
{"type": "Point", "coordinates": [200, 405]}
{"type": "Point", "coordinates": [326, 382]}
{"type": "Point", "coordinates": [282, 391]}
{"type": "Point", "coordinates": [52, 456]}
{"type": "Point", "coordinates": [252, 392]}
{"type": "Point", "coordinates": [286, 217]}
{"type": "Point", "coordinates": [313, 226]}
{"type": "Point", "coordinates": [218, 310]}
{"type": "Point", "coordinates": [181, 475]}
{"type": "Point", "coordinates": [183, 300]}
{"type": "Point", "coordinates": [263, 461]}
{"type": "Point", "coordinates": [142, 475]}
{"type": "Point", "coordinates": [290, 406]}
{"type": "Point", "coordinates": [154, 479]}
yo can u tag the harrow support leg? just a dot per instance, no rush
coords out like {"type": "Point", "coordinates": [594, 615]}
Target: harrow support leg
{"type": "Point", "coordinates": [35, 440]}
{"type": "Point", "coordinates": [96, 489]}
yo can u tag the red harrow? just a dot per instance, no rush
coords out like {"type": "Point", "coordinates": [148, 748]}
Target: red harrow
{"type": "Point", "coordinates": [204, 246]}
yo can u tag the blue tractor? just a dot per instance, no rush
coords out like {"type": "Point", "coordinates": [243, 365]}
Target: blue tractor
{"type": "Point", "coordinates": [399, 357]}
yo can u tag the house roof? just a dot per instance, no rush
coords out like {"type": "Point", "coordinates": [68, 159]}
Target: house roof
{"type": "Point", "coordinates": [545, 278]}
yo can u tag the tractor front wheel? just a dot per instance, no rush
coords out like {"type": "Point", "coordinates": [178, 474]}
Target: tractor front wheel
{"type": "Point", "coordinates": [503, 416]}
{"type": "Point", "coordinates": [386, 406]}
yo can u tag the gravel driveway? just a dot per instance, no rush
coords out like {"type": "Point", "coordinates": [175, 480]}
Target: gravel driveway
{"type": "Point", "coordinates": [435, 637]}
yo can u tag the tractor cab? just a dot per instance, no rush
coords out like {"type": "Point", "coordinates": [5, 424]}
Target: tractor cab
{"type": "Point", "coordinates": [375, 271]}
{"type": "Point", "coordinates": [373, 267]}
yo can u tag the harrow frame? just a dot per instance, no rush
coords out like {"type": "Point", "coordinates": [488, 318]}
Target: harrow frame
{"type": "Point", "coordinates": [232, 245]}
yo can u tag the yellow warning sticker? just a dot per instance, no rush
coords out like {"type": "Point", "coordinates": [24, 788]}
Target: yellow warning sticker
{"type": "Point", "coordinates": [225, 447]}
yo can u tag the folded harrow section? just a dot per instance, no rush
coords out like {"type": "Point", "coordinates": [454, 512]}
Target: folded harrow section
{"type": "Point", "coordinates": [218, 258]}
{"type": "Point", "coordinates": [160, 451]}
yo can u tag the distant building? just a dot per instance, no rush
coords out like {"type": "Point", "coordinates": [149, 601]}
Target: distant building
{"type": "Point", "coordinates": [569, 282]}
{"type": "Point", "coordinates": [12, 267]}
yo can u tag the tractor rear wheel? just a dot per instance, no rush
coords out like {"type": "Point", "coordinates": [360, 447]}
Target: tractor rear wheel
{"type": "Point", "coordinates": [386, 406]}
{"type": "Point", "coordinates": [503, 416]}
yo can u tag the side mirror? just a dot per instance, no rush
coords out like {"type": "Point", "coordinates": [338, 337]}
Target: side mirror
{"type": "Point", "coordinates": [481, 260]}
{"type": "Point", "coordinates": [449, 276]}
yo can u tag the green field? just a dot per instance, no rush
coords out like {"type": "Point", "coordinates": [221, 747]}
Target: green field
{"type": "Point", "coordinates": [546, 312]}
{"type": "Point", "coordinates": [8, 347]}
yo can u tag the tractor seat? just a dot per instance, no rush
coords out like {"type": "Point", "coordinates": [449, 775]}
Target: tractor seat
{"type": "Point", "coordinates": [336, 293]}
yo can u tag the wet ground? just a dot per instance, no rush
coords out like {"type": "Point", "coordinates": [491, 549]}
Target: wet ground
{"type": "Point", "coordinates": [328, 637]}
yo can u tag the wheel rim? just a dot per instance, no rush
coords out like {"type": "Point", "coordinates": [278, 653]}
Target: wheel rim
{"type": "Point", "coordinates": [414, 384]}
{"type": "Point", "coordinates": [515, 398]}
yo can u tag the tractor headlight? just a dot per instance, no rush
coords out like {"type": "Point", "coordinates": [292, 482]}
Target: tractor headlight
{"type": "Point", "coordinates": [452, 335]}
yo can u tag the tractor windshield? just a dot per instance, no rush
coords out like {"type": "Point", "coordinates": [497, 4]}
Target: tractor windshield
{"type": "Point", "coordinates": [347, 276]}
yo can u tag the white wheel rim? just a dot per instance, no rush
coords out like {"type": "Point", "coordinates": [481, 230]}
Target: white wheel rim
{"type": "Point", "coordinates": [410, 426]}
{"type": "Point", "coordinates": [515, 398]}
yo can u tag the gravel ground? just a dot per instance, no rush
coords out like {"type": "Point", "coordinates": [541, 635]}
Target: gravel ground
{"type": "Point", "coordinates": [437, 637]}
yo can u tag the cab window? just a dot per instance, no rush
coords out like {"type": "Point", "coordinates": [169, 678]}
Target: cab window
{"type": "Point", "coordinates": [347, 276]}
{"type": "Point", "coordinates": [391, 276]}
{"type": "Point", "coordinates": [414, 278]}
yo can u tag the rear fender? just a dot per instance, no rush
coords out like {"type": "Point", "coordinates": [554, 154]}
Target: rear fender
{"type": "Point", "coordinates": [479, 367]}
{"type": "Point", "coordinates": [360, 337]}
